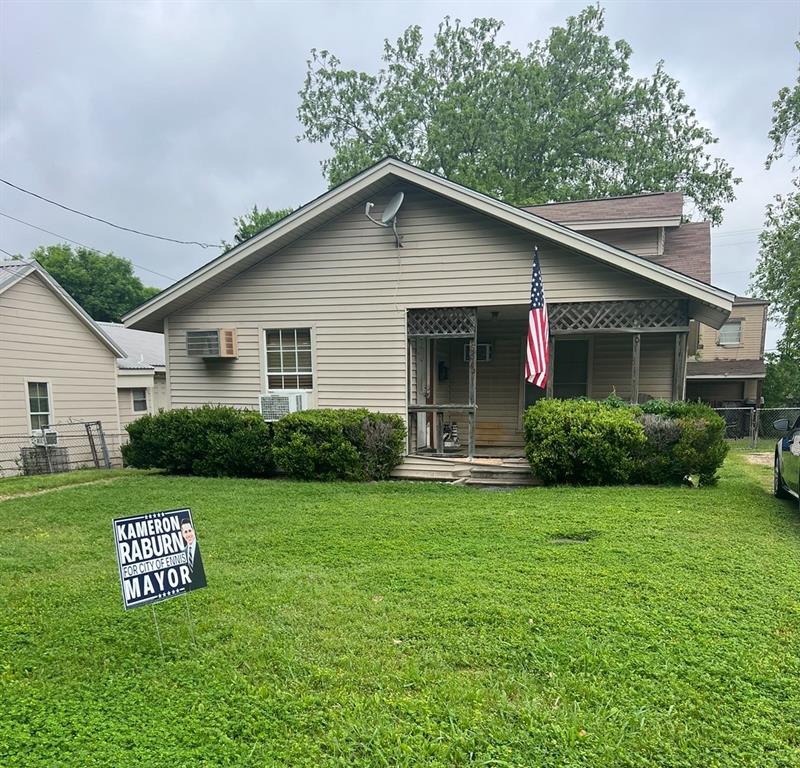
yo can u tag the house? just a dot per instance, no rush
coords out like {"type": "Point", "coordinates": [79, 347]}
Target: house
{"type": "Point", "coordinates": [728, 370]}
{"type": "Point", "coordinates": [726, 365]}
{"type": "Point", "coordinates": [141, 375]}
{"type": "Point", "coordinates": [57, 368]}
{"type": "Point", "coordinates": [325, 303]}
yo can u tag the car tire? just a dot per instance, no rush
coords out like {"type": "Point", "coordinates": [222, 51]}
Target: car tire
{"type": "Point", "coordinates": [778, 488]}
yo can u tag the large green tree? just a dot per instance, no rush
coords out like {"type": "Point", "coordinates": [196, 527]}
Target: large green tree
{"type": "Point", "coordinates": [254, 222]}
{"type": "Point", "coordinates": [564, 120]}
{"type": "Point", "coordinates": [777, 274]}
{"type": "Point", "coordinates": [103, 284]}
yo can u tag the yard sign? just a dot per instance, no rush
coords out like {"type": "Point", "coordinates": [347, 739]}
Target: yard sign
{"type": "Point", "coordinates": [158, 556]}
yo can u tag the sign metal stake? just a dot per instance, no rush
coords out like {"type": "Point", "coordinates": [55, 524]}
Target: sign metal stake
{"type": "Point", "coordinates": [189, 622]}
{"type": "Point", "coordinates": [158, 631]}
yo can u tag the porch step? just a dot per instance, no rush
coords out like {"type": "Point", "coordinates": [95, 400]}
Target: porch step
{"type": "Point", "coordinates": [501, 475]}
{"type": "Point", "coordinates": [506, 473]}
{"type": "Point", "coordinates": [430, 468]}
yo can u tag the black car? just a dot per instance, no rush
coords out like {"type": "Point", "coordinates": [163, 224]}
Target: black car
{"type": "Point", "coordinates": [786, 482]}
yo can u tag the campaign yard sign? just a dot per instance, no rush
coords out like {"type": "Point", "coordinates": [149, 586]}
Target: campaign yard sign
{"type": "Point", "coordinates": [158, 556]}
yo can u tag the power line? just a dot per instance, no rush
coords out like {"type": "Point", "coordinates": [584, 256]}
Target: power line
{"type": "Point", "coordinates": [7, 253]}
{"type": "Point", "coordinates": [82, 245]}
{"type": "Point", "coordinates": [110, 223]}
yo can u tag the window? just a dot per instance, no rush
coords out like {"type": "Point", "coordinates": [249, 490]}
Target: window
{"type": "Point", "coordinates": [39, 403]}
{"type": "Point", "coordinates": [289, 358]}
{"type": "Point", "coordinates": [730, 334]}
{"type": "Point", "coordinates": [139, 399]}
{"type": "Point", "coordinates": [571, 368]}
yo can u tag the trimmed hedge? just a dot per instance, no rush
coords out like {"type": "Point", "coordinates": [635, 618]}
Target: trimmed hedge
{"type": "Point", "coordinates": [597, 443]}
{"type": "Point", "coordinates": [339, 444]}
{"type": "Point", "coordinates": [582, 442]}
{"type": "Point", "coordinates": [212, 441]}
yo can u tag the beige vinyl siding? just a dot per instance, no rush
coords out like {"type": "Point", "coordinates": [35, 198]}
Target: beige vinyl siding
{"type": "Point", "coordinates": [643, 242]}
{"type": "Point", "coordinates": [753, 320]}
{"type": "Point", "coordinates": [42, 340]}
{"type": "Point", "coordinates": [351, 286]}
{"type": "Point", "coordinates": [613, 363]}
{"type": "Point", "coordinates": [159, 392]}
{"type": "Point", "coordinates": [126, 413]}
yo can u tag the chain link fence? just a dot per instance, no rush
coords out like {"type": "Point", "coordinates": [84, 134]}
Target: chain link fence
{"type": "Point", "coordinates": [755, 425]}
{"type": "Point", "coordinates": [60, 448]}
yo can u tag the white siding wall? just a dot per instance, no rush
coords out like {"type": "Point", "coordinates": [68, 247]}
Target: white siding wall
{"type": "Point", "coordinates": [42, 340]}
{"type": "Point", "coordinates": [349, 283]}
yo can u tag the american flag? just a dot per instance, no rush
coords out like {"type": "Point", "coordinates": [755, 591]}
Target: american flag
{"type": "Point", "coordinates": [538, 348]}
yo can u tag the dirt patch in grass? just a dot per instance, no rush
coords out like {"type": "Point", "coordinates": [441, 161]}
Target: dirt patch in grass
{"type": "Point", "coordinates": [762, 459]}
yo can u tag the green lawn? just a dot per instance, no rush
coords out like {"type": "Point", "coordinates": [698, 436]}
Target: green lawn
{"type": "Point", "coordinates": [409, 624]}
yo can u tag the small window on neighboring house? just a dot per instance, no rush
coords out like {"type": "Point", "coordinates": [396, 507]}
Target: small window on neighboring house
{"type": "Point", "coordinates": [39, 403]}
{"type": "Point", "coordinates": [139, 399]}
{"type": "Point", "coordinates": [289, 358]}
{"type": "Point", "coordinates": [731, 334]}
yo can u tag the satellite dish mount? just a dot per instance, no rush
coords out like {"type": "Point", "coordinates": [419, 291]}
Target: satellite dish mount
{"type": "Point", "coordinates": [389, 217]}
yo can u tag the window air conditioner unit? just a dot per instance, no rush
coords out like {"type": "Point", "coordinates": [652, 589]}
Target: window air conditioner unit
{"type": "Point", "coordinates": [277, 404]}
{"type": "Point", "coordinates": [45, 437]}
{"type": "Point", "coordinates": [212, 344]}
{"type": "Point", "coordinates": [484, 352]}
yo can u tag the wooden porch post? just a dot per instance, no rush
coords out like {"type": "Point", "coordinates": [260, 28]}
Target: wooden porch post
{"type": "Point", "coordinates": [637, 345]}
{"type": "Point", "coordinates": [473, 385]}
{"type": "Point", "coordinates": [551, 362]}
{"type": "Point", "coordinates": [679, 371]}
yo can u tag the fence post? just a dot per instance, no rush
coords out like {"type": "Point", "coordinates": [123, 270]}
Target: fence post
{"type": "Point", "coordinates": [103, 446]}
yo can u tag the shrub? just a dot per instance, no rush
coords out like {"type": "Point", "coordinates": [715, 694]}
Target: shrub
{"type": "Point", "coordinates": [212, 441]}
{"type": "Point", "coordinates": [339, 444]}
{"type": "Point", "coordinates": [699, 449]}
{"type": "Point", "coordinates": [657, 463]}
{"type": "Point", "coordinates": [581, 441]}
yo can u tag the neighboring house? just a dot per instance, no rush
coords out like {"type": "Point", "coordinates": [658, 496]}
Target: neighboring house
{"type": "Point", "coordinates": [56, 364]}
{"type": "Point", "coordinates": [323, 302]}
{"type": "Point", "coordinates": [728, 369]}
{"type": "Point", "coordinates": [141, 376]}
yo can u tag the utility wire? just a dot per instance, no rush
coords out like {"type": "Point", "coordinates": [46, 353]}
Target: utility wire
{"type": "Point", "coordinates": [110, 223]}
{"type": "Point", "coordinates": [7, 253]}
{"type": "Point", "coordinates": [82, 245]}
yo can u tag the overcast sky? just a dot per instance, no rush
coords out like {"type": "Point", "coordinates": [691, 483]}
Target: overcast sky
{"type": "Point", "coordinates": [176, 117]}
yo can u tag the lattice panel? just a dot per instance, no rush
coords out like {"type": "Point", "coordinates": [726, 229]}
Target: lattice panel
{"type": "Point", "coordinates": [445, 321]}
{"type": "Point", "coordinates": [618, 315]}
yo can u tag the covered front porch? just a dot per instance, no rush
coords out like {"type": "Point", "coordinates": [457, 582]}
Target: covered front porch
{"type": "Point", "coordinates": [466, 390]}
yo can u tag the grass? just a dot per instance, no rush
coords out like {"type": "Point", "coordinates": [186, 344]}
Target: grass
{"type": "Point", "coordinates": [403, 624]}
{"type": "Point", "coordinates": [14, 486]}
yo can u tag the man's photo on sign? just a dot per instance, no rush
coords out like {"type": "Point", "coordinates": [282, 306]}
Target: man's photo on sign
{"type": "Point", "coordinates": [197, 576]}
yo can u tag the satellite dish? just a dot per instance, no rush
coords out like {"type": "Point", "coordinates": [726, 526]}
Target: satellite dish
{"type": "Point", "coordinates": [389, 217]}
{"type": "Point", "coordinates": [390, 211]}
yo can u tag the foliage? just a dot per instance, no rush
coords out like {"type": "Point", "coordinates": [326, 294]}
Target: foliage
{"type": "Point", "coordinates": [782, 382]}
{"type": "Point", "coordinates": [581, 442]}
{"type": "Point", "coordinates": [103, 284]}
{"type": "Point", "coordinates": [786, 120]}
{"type": "Point", "coordinates": [597, 443]}
{"type": "Point", "coordinates": [254, 222]}
{"type": "Point", "coordinates": [212, 441]}
{"type": "Point", "coordinates": [656, 463]}
{"type": "Point", "coordinates": [408, 624]}
{"type": "Point", "coordinates": [565, 120]}
{"type": "Point", "coordinates": [777, 274]}
{"type": "Point", "coordinates": [339, 444]}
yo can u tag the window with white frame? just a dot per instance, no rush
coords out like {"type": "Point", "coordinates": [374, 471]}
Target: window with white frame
{"type": "Point", "coordinates": [289, 358]}
{"type": "Point", "coordinates": [730, 334]}
{"type": "Point", "coordinates": [39, 403]}
{"type": "Point", "coordinates": [139, 396]}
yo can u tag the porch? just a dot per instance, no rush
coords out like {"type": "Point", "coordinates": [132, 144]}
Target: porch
{"type": "Point", "coordinates": [466, 390]}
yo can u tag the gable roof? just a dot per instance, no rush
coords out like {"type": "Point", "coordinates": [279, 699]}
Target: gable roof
{"type": "Point", "coordinates": [716, 303]}
{"type": "Point", "coordinates": [12, 272]}
{"type": "Point", "coordinates": [144, 350]}
{"type": "Point", "coordinates": [650, 209]}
